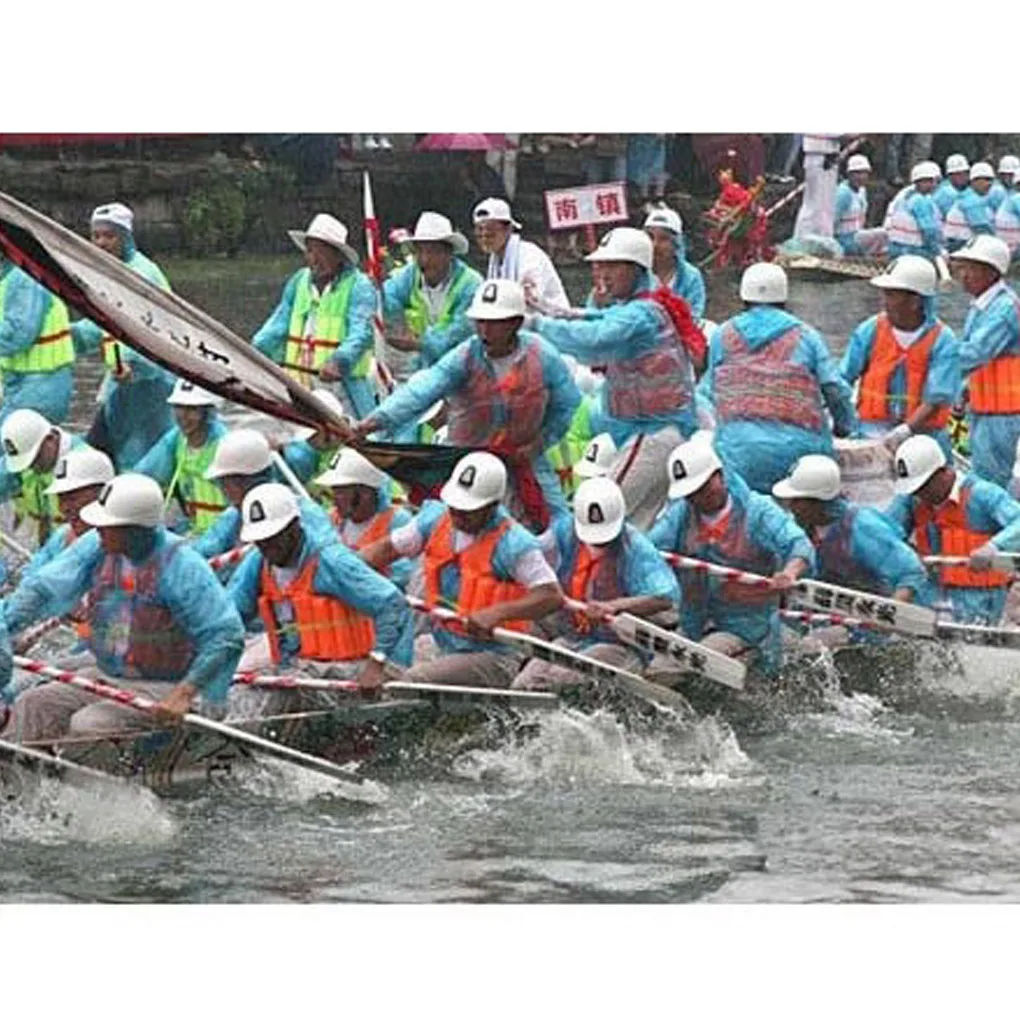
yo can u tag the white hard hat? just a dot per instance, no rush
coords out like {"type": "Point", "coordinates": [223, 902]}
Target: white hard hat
{"type": "Point", "coordinates": [957, 163]}
{"type": "Point", "coordinates": [22, 434]}
{"type": "Point", "coordinates": [129, 499]}
{"type": "Point", "coordinates": [599, 511]}
{"type": "Point", "coordinates": [666, 218]}
{"type": "Point", "coordinates": [624, 244]}
{"type": "Point", "coordinates": [79, 469]}
{"type": "Point", "coordinates": [982, 170]}
{"type": "Point", "coordinates": [329, 230]}
{"type": "Point", "coordinates": [497, 300]}
{"type": "Point", "coordinates": [477, 480]}
{"type": "Point", "coordinates": [691, 465]}
{"type": "Point", "coordinates": [992, 251]}
{"type": "Point", "coordinates": [266, 511]}
{"type": "Point", "coordinates": [598, 457]}
{"type": "Point", "coordinates": [764, 283]}
{"type": "Point", "coordinates": [494, 209]}
{"type": "Point", "coordinates": [908, 272]}
{"type": "Point", "coordinates": [917, 459]}
{"type": "Point", "coordinates": [348, 467]}
{"type": "Point", "coordinates": [924, 171]}
{"type": "Point", "coordinates": [332, 401]}
{"type": "Point", "coordinates": [858, 161]}
{"type": "Point", "coordinates": [240, 452]}
{"type": "Point", "coordinates": [187, 394]}
{"type": "Point", "coordinates": [706, 436]}
{"type": "Point", "coordinates": [435, 227]}
{"type": "Point", "coordinates": [1009, 165]}
{"type": "Point", "coordinates": [116, 213]}
{"type": "Point", "coordinates": [813, 477]}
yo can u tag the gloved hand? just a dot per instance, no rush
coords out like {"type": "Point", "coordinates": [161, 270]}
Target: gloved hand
{"type": "Point", "coordinates": [898, 435]}
{"type": "Point", "coordinates": [983, 558]}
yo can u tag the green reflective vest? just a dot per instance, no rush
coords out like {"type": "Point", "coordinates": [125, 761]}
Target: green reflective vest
{"type": "Point", "coordinates": [418, 317]}
{"type": "Point", "coordinates": [32, 502]}
{"type": "Point", "coordinates": [203, 500]}
{"type": "Point", "coordinates": [570, 449]}
{"type": "Point", "coordinates": [52, 349]}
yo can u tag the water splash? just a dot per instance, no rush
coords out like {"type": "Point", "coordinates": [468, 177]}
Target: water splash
{"type": "Point", "coordinates": [279, 780]}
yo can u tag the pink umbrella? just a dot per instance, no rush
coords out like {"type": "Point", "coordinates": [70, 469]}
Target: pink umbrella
{"type": "Point", "coordinates": [462, 143]}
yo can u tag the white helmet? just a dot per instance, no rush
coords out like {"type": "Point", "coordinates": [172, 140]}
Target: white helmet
{"type": "Point", "coordinates": [497, 300]}
{"type": "Point", "coordinates": [1009, 165]}
{"type": "Point", "coordinates": [624, 244]}
{"type": "Point", "coordinates": [813, 477]}
{"type": "Point", "coordinates": [982, 170]}
{"type": "Point", "coordinates": [992, 251]}
{"type": "Point", "coordinates": [908, 272]}
{"type": "Point", "coordinates": [957, 163]}
{"type": "Point", "coordinates": [477, 480]}
{"type": "Point", "coordinates": [764, 283]}
{"type": "Point", "coordinates": [599, 511]}
{"type": "Point", "coordinates": [666, 218]}
{"type": "Point", "coordinates": [240, 452]}
{"type": "Point", "coordinates": [917, 459]}
{"type": "Point", "coordinates": [858, 161]}
{"type": "Point", "coordinates": [129, 499]}
{"type": "Point", "coordinates": [691, 465]}
{"type": "Point", "coordinates": [187, 394]}
{"type": "Point", "coordinates": [926, 170]}
{"type": "Point", "coordinates": [22, 434]}
{"type": "Point", "coordinates": [266, 511]}
{"type": "Point", "coordinates": [79, 469]}
{"type": "Point", "coordinates": [332, 401]}
{"type": "Point", "coordinates": [348, 467]}
{"type": "Point", "coordinates": [598, 457]}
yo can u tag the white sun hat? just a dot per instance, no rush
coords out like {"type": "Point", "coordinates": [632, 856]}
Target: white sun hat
{"type": "Point", "coordinates": [908, 272]}
{"type": "Point", "coordinates": [266, 511]}
{"type": "Point", "coordinates": [494, 209]}
{"type": "Point", "coordinates": [813, 477]}
{"type": "Point", "coordinates": [691, 465]}
{"type": "Point", "coordinates": [22, 434]}
{"type": "Point", "coordinates": [992, 251]}
{"type": "Point", "coordinates": [329, 230]}
{"type": "Point", "coordinates": [496, 300]}
{"type": "Point", "coordinates": [348, 467]}
{"type": "Point", "coordinates": [598, 457]}
{"type": "Point", "coordinates": [624, 244]}
{"type": "Point", "coordinates": [477, 480]}
{"type": "Point", "coordinates": [187, 394]}
{"type": "Point", "coordinates": [129, 499]}
{"type": "Point", "coordinates": [435, 227]}
{"type": "Point", "coordinates": [599, 511]}
{"type": "Point", "coordinates": [917, 459]}
{"type": "Point", "coordinates": [79, 469]}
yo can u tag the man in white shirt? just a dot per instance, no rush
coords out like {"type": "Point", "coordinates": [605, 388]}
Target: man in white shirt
{"type": "Point", "coordinates": [821, 176]}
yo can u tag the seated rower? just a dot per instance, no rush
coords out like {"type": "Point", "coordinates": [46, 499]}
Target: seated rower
{"type": "Point", "coordinates": [179, 461]}
{"type": "Point", "coordinates": [362, 512]}
{"type": "Point", "coordinates": [610, 567]}
{"type": "Point", "coordinates": [480, 562]}
{"type": "Point", "coordinates": [319, 603]}
{"type": "Point", "coordinates": [32, 449]}
{"type": "Point", "coordinates": [713, 515]}
{"type": "Point", "coordinates": [160, 623]}
{"type": "Point", "coordinates": [948, 514]}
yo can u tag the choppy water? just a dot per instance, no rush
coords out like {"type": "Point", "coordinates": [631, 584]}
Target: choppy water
{"type": "Point", "coordinates": [910, 795]}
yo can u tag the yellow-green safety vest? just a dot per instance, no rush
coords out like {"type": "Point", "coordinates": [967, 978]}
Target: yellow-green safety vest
{"type": "Point", "coordinates": [570, 449]}
{"type": "Point", "coordinates": [417, 316]}
{"type": "Point", "coordinates": [304, 356]}
{"type": "Point", "coordinates": [52, 349]}
{"type": "Point", "coordinates": [32, 503]}
{"type": "Point", "coordinates": [203, 500]}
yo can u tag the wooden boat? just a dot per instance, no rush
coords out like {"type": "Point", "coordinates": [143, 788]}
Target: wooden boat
{"type": "Point", "coordinates": [824, 269]}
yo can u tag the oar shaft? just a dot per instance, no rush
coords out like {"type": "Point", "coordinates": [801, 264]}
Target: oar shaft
{"type": "Point", "coordinates": [292, 479]}
{"type": "Point", "coordinates": [716, 570]}
{"type": "Point", "coordinates": [15, 546]}
{"type": "Point", "coordinates": [229, 557]}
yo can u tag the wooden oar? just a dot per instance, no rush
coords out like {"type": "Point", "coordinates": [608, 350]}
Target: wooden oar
{"type": "Point", "coordinates": [622, 679]}
{"type": "Point", "coordinates": [39, 760]}
{"type": "Point", "coordinates": [14, 546]}
{"type": "Point", "coordinates": [889, 614]}
{"type": "Point", "coordinates": [1004, 561]}
{"type": "Point", "coordinates": [349, 783]}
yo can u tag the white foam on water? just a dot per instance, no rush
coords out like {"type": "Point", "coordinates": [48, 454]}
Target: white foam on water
{"type": "Point", "coordinates": [975, 671]}
{"type": "Point", "coordinates": [577, 748]}
{"type": "Point", "coordinates": [51, 811]}
{"type": "Point", "coordinates": [280, 780]}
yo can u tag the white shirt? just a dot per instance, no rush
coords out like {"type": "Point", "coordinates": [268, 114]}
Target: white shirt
{"type": "Point", "coordinates": [525, 262]}
{"type": "Point", "coordinates": [906, 338]}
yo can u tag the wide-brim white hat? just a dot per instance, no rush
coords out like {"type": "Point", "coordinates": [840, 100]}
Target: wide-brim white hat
{"type": "Point", "coordinates": [329, 230]}
{"type": "Point", "coordinates": [436, 228]}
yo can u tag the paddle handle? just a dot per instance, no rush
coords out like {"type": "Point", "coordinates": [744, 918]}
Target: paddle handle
{"type": "Point", "coordinates": [229, 557]}
{"type": "Point", "coordinates": [716, 570]}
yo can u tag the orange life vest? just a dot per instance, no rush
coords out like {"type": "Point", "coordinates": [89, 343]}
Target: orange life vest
{"type": "Point", "coordinates": [995, 388]}
{"type": "Point", "coordinates": [479, 586]}
{"type": "Point", "coordinates": [329, 630]}
{"type": "Point", "coordinates": [378, 527]}
{"type": "Point", "coordinates": [956, 539]}
{"type": "Point", "coordinates": [875, 401]}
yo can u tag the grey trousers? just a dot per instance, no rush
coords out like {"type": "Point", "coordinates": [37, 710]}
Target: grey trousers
{"type": "Point", "coordinates": [641, 471]}
{"type": "Point", "coordinates": [469, 669]}
{"type": "Point", "coordinates": [541, 675]}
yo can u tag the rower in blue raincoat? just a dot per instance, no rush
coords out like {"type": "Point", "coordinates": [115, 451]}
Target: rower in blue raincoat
{"type": "Point", "coordinates": [133, 411]}
{"type": "Point", "coordinates": [945, 513]}
{"type": "Point", "coordinates": [36, 349]}
{"type": "Point", "coordinates": [669, 259]}
{"type": "Point", "coordinates": [771, 381]}
{"type": "Point", "coordinates": [913, 222]}
{"type": "Point", "coordinates": [712, 515]}
{"type": "Point", "coordinates": [953, 185]}
{"type": "Point", "coordinates": [971, 214]}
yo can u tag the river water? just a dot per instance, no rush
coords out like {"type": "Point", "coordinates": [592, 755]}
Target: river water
{"type": "Point", "coordinates": [833, 797]}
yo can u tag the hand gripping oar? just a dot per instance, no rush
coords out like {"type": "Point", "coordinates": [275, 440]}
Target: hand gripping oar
{"type": "Point", "coordinates": [231, 556]}
{"type": "Point", "coordinates": [888, 614]}
{"type": "Point", "coordinates": [40, 761]}
{"type": "Point", "coordinates": [349, 782]}
{"type": "Point", "coordinates": [622, 679]}
{"type": "Point", "coordinates": [687, 654]}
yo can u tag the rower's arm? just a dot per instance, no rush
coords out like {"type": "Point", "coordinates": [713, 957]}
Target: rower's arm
{"type": "Point", "coordinates": [539, 601]}
{"type": "Point", "coordinates": [920, 419]}
{"type": "Point", "coordinates": [21, 318]}
{"type": "Point", "coordinates": [990, 338]}
{"type": "Point", "coordinates": [419, 393]}
{"type": "Point", "coordinates": [613, 333]}
{"type": "Point", "coordinates": [640, 605]}
{"type": "Point", "coordinates": [158, 463]}
{"type": "Point", "coordinates": [271, 337]}
{"type": "Point", "coordinates": [380, 553]}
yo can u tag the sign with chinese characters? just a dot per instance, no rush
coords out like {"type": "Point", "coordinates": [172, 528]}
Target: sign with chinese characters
{"type": "Point", "coordinates": [586, 205]}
